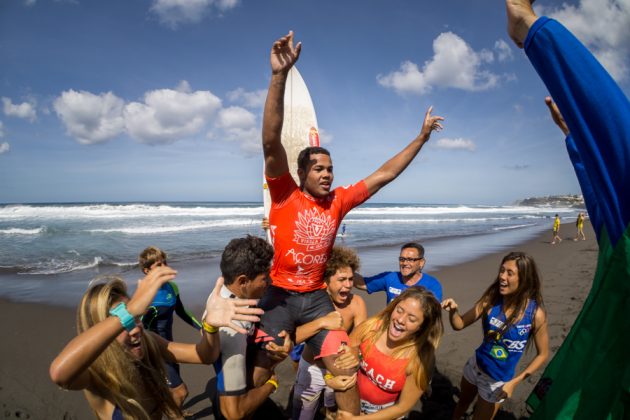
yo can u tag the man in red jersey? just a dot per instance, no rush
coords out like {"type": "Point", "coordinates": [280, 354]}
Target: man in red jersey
{"type": "Point", "coordinates": [304, 220]}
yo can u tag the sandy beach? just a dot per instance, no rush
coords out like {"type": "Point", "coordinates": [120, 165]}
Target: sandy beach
{"type": "Point", "coordinates": [35, 333]}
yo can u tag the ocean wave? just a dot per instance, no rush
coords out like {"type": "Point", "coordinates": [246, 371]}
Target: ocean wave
{"type": "Point", "coordinates": [436, 220]}
{"type": "Point", "coordinates": [431, 210]}
{"type": "Point", "coordinates": [512, 227]}
{"type": "Point", "coordinates": [150, 230]}
{"type": "Point", "coordinates": [60, 266]}
{"type": "Point", "coordinates": [122, 211]}
{"type": "Point", "coordinates": [19, 231]}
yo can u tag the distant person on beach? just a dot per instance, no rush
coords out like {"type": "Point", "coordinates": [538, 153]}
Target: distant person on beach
{"type": "Point", "coordinates": [512, 311]}
{"type": "Point", "coordinates": [245, 264]}
{"type": "Point", "coordinates": [596, 117]}
{"type": "Point", "coordinates": [118, 365]}
{"type": "Point", "coordinates": [159, 316]}
{"type": "Point", "coordinates": [556, 230]}
{"type": "Point", "coordinates": [304, 219]}
{"type": "Point", "coordinates": [350, 311]}
{"type": "Point", "coordinates": [579, 226]}
{"type": "Point", "coordinates": [411, 262]}
{"type": "Point", "coordinates": [397, 352]}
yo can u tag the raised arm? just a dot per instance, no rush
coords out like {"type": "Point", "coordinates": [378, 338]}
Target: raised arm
{"type": "Point", "coordinates": [283, 57]}
{"type": "Point", "coordinates": [220, 312]}
{"type": "Point", "coordinates": [459, 322]}
{"type": "Point", "coordinates": [69, 369]}
{"type": "Point", "coordinates": [394, 167]}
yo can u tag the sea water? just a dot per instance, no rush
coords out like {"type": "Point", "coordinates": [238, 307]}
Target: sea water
{"type": "Point", "coordinates": [71, 243]}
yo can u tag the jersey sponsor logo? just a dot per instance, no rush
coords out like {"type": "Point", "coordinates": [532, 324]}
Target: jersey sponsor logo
{"type": "Point", "coordinates": [394, 291]}
{"type": "Point", "coordinates": [515, 345]}
{"type": "Point", "coordinates": [496, 322]}
{"type": "Point", "coordinates": [524, 329]}
{"type": "Point", "coordinates": [378, 379]}
{"type": "Point", "coordinates": [314, 230]}
{"type": "Point", "coordinates": [300, 258]}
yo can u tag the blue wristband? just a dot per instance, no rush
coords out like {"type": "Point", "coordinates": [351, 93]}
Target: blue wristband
{"type": "Point", "coordinates": [128, 322]}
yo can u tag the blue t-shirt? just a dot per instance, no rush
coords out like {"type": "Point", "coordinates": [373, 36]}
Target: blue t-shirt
{"type": "Point", "coordinates": [391, 283]}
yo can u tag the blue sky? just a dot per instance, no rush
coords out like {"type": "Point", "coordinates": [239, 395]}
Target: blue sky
{"type": "Point", "coordinates": [161, 100]}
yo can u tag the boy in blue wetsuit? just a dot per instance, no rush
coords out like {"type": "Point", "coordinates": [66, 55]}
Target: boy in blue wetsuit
{"type": "Point", "coordinates": [159, 316]}
{"type": "Point", "coordinates": [411, 262]}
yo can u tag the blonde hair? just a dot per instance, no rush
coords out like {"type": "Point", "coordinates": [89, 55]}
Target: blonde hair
{"type": "Point", "coordinates": [421, 347]}
{"type": "Point", "coordinates": [117, 377]}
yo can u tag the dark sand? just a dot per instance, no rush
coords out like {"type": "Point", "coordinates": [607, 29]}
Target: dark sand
{"type": "Point", "coordinates": [35, 333]}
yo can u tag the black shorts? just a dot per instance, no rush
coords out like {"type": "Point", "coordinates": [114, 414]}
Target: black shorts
{"type": "Point", "coordinates": [286, 310]}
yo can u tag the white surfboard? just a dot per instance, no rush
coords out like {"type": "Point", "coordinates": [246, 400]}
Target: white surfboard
{"type": "Point", "coordinates": [299, 128]}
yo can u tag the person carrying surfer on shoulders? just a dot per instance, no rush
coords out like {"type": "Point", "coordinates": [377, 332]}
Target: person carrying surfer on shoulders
{"type": "Point", "coordinates": [304, 221]}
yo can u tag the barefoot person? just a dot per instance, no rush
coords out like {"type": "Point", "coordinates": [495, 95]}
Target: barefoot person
{"type": "Point", "coordinates": [556, 230]}
{"type": "Point", "coordinates": [584, 378]}
{"type": "Point", "coordinates": [512, 312]}
{"type": "Point", "coordinates": [397, 352]}
{"type": "Point", "coordinates": [118, 365]}
{"type": "Point", "coordinates": [159, 316]}
{"type": "Point", "coordinates": [304, 219]}
{"type": "Point", "coordinates": [350, 311]}
{"type": "Point", "coordinates": [579, 227]}
{"type": "Point", "coordinates": [411, 262]}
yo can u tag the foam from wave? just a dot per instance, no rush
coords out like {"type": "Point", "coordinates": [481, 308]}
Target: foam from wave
{"type": "Point", "coordinates": [512, 227]}
{"type": "Point", "coordinates": [19, 231]}
{"type": "Point", "coordinates": [122, 211]}
{"type": "Point", "coordinates": [64, 266]}
{"type": "Point", "coordinates": [430, 210]}
{"type": "Point", "coordinates": [149, 230]}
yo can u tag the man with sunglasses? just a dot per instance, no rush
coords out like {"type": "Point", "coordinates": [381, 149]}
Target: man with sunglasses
{"type": "Point", "coordinates": [411, 262]}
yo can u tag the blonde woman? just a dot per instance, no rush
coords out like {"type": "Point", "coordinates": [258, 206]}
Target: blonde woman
{"type": "Point", "coordinates": [118, 365]}
{"type": "Point", "coordinates": [397, 354]}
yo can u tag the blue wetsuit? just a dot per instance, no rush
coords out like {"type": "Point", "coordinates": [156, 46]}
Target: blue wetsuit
{"type": "Point", "coordinates": [159, 319]}
{"type": "Point", "coordinates": [589, 376]}
{"type": "Point", "coordinates": [392, 284]}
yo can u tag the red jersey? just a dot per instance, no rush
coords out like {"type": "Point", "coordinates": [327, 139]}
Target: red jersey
{"type": "Point", "coordinates": [381, 377]}
{"type": "Point", "coordinates": [303, 230]}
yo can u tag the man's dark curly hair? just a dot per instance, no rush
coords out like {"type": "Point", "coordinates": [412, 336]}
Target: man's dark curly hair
{"type": "Point", "coordinates": [250, 256]}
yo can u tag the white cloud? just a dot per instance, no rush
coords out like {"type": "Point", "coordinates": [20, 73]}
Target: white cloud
{"type": "Point", "coordinates": [90, 118]}
{"type": "Point", "coordinates": [162, 117]}
{"type": "Point", "coordinates": [255, 99]}
{"type": "Point", "coordinates": [4, 147]}
{"type": "Point", "coordinates": [24, 110]}
{"type": "Point", "coordinates": [239, 125]}
{"type": "Point", "coordinates": [1, 129]}
{"type": "Point", "coordinates": [168, 115]}
{"type": "Point", "coordinates": [454, 64]}
{"type": "Point", "coordinates": [29, 3]}
{"type": "Point", "coordinates": [604, 27]}
{"type": "Point", "coordinates": [325, 137]}
{"type": "Point", "coordinates": [173, 13]}
{"type": "Point", "coordinates": [504, 51]}
{"type": "Point", "coordinates": [455, 144]}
